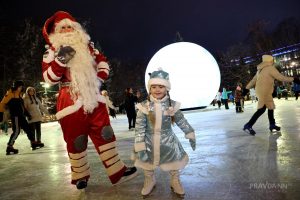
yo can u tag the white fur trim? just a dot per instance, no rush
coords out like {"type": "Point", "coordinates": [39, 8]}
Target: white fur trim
{"type": "Point", "coordinates": [190, 135]}
{"type": "Point", "coordinates": [159, 81]}
{"type": "Point", "coordinates": [96, 51]}
{"type": "Point", "coordinates": [101, 99]}
{"type": "Point", "coordinates": [142, 108]}
{"type": "Point", "coordinates": [60, 63]}
{"type": "Point", "coordinates": [177, 165]}
{"type": "Point", "coordinates": [157, 132]}
{"type": "Point", "coordinates": [144, 165]}
{"type": "Point", "coordinates": [69, 110]}
{"type": "Point", "coordinates": [48, 56]}
{"type": "Point", "coordinates": [180, 164]}
{"type": "Point", "coordinates": [45, 76]}
{"type": "Point", "coordinates": [139, 146]}
{"type": "Point", "coordinates": [102, 66]}
{"type": "Point", "coordinates": [75, 107]}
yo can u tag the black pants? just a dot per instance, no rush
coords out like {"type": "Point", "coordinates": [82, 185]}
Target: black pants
{"type": "Point", "coordinates": [219, 103]}
{"type": "Point", "coordinates": [297, 95]}
{"type": "Point", "coordinates": [238, 106]}
{"type": "Point", "coordinates": [36, 130]}
{"type": "Point", "coordinates": [131, 115]}
{"type": "Point", "coordinates": [225, 102]}
{"type": "Point", "coordinates": [19, 122]}
{"type": "Point", "coordinates": [258, 113]}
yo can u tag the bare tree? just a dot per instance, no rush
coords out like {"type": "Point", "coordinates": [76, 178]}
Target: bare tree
{"type": "Point", "coordinates": [30, 49]}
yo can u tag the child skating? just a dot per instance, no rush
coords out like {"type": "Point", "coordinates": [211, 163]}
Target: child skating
{"type": "Point", "coordinates": [155, 142]}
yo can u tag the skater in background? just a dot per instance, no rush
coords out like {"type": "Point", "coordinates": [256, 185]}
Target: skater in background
{"type": "Point", "coordinates": [155, 142]}
{"type": "Point", "coordinates": [13, 100]}
{"type": "Point", "coordinates": [296, 90]}
{"type": "Point", "coordinates": [264, 84]}
{"type": "Point", "coordinates": [218, 99]}
{"type": "Point", "coordinates": [36, 110]}
{"type": "Point", "coordinates": [225, 97]}
{"type": "Point", "coordinates": [129, 104]}
{"type": "Point", "coordinates": [238, 98]}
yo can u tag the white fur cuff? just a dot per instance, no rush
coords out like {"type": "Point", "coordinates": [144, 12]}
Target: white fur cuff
{"type": "Point", "coordinates": [190, 135]}
{"type": "Point", "coordinates": [69, 110]}
{"type": "Point", "coordinates": [139, 146]}
{"type": "Point", "coordinates": [60, 63]}
{"type": "Point", "coordinates": [102, 66]}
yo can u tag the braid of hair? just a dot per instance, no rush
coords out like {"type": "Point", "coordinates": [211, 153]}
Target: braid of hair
{"type": "Point", "coordinates": [35, 99]}
{"type": "Point", "coordinates": [151, 115]}
{"type": "Point", "coordinates": [170, 102]}
{"type": "Point", "coordinates": [31, 99]}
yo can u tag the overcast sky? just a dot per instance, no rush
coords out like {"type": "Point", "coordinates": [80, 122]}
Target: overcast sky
{"type": "Point", "coordinates": [139, 28]}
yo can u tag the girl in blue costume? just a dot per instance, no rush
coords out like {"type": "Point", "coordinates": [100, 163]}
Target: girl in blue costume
{"type": "Point", "coordinates": [155, 142]}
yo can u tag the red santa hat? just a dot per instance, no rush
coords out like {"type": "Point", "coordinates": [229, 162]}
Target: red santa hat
{"type": "Point", "coordinates": [51, 22]}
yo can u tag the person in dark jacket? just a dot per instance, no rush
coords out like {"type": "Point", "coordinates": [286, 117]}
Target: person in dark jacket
{"type": "Point", "coordinates": [296, 90]}
{"type": "Point", "coordinates": [129, 104]}
{"type": "Point", "coordinates": [239, 99]}
{"type": "Point", "coordinates": [13, 100]}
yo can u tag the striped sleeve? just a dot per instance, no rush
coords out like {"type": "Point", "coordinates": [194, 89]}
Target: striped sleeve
{"type": "Point", "coordinates": [52, 68]}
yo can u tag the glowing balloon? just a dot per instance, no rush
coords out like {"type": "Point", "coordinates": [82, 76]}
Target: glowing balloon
{"type": "Point", "coordinates": [194, 73]}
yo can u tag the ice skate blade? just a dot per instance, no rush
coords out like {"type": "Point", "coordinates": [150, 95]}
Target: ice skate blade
{"type": "Point", "coordinates": [12, 153]}
{"type": "Point", "coordinates": [249, 132]}
{"type": "Point", "coordinates": [9, 154]}
{"type": "Point", "coordinates": [274, 131]}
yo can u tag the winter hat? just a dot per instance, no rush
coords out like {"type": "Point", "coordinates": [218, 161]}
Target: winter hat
{"type": "Point", "coordinates": [266, 60]}
{"type": "Point", "coordinates": [159, 77]}
{"type": "Point", "coordinates": [51, 23]}
{"type": "Point", "coordinates": [29, 88]}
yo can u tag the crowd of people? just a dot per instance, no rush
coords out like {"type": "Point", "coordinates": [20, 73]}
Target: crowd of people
{"type": "Point", "coordinates": [72, 61]}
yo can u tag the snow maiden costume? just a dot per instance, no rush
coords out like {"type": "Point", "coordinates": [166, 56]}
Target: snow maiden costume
{"type": "Point", "coordinates": [155, 142]}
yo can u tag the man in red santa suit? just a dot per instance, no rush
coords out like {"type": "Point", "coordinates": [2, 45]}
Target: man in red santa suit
{"type": "Point", "coordinates": [72, 61]}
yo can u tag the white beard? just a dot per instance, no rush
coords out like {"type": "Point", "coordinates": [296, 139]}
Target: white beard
{"type": "Point", "coordinates": [84, 82]}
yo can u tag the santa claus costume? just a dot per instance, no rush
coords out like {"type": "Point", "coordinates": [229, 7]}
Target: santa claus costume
{"type": "Point", "coordinates": [72, 62]}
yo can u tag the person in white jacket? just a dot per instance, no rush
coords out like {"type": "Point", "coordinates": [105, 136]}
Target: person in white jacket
{"type": "Point", "coordinates": [35, 109]}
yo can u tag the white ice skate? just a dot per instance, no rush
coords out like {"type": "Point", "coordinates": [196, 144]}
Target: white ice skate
{"type": "Point", "coordinates": [149, 183]}
{"type": "Point", "coordinates": [176, 186]}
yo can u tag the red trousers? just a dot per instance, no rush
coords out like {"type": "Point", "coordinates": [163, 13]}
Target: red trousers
{"type": "Point", "coordinates": [76, 128]}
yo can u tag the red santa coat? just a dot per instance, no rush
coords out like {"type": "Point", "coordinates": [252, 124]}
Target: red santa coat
{"type": "Point", "coordinates": [55, 72]}
{"type": "Point", "coordinates": [77, 125]}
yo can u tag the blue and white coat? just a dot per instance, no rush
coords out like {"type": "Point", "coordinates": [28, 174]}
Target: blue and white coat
{"type": "Point", "coordinates": [158, 141]}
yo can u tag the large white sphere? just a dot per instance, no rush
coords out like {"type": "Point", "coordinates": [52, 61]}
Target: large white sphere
{"type": "Point", "coordinates": [193, 71]}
